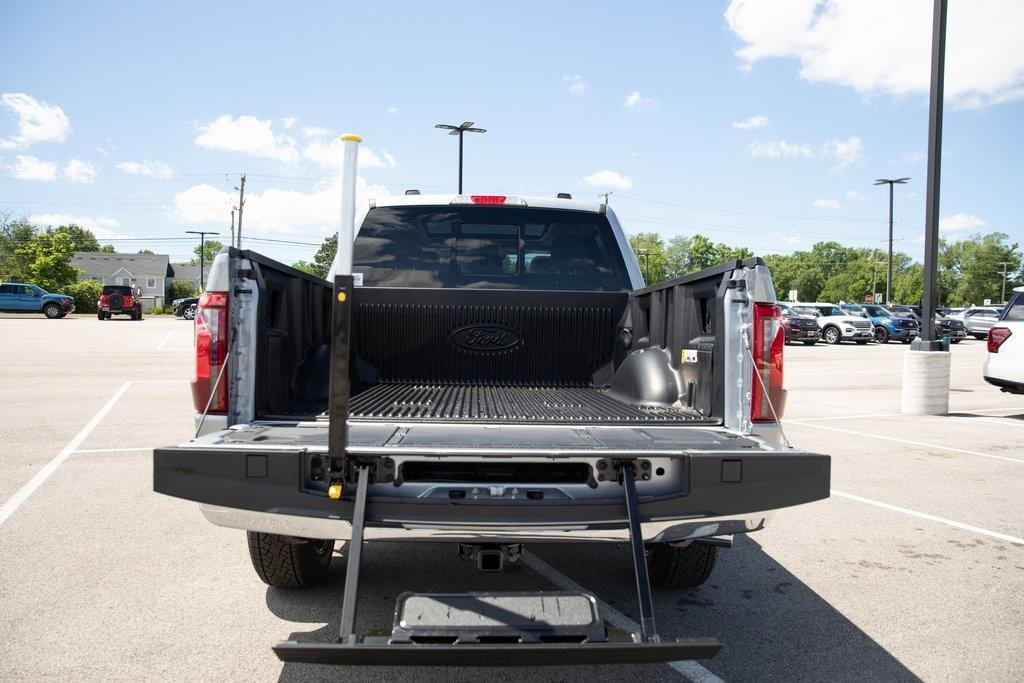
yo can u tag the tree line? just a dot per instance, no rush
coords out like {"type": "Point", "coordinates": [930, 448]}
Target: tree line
{"type": "Point", "coordinates": [970, 270]}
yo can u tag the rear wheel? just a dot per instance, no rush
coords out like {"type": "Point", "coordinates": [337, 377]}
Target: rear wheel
{"type": "Point", "coordinates": [673, 567]}
{"type": "Point", "coordinates": [99, 316]}
{"type": "Point", "coordinates": [981, 337]}
{"type": "Point", "coordinates": [189, 313]}
{"type": "Point", "coordinates": [832, 335]}
{"type": "Point", "coordinates": [881, 335]}
{"type": "Point", "coordinates": [284, 562]}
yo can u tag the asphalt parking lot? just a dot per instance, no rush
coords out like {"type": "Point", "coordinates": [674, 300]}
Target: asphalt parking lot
{"type": "Point", "coordinates": [913, 569]}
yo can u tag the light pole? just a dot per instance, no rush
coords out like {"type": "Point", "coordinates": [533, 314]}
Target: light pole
{"type": "Point", "coordinates": [888, 280]}
{"type": "Point", "coordinates": [466, 127]}
{"type": "Point", "coordinates": [202, 251]}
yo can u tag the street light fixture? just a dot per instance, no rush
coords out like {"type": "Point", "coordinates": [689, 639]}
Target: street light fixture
{"type": "Point", "coordinates": [202, 251]}
{"type": "Point", "coordinates": [466, 127]}
{"type": "Point", "coordinates": [888, 281]}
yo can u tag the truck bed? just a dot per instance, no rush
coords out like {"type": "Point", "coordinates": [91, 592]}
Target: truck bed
{"type": "Point", "coordinates": [507, 404]}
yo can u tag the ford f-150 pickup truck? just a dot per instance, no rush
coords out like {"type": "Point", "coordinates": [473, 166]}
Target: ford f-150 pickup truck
{"type": "Point", "coordinates": [492, 372]}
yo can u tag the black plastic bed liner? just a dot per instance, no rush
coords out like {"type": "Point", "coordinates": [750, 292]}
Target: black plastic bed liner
{"type": "Point", "coordinates": [515, 404]}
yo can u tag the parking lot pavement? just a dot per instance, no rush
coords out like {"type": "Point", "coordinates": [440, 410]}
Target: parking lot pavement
{"type": "Point", "coordinates": [913, 569]}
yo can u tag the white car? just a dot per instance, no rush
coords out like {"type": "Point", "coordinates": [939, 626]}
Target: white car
{"type": "Point", "coordinates": [836, 324]}
{"type": "Point", "coordinates": [1004, 366]}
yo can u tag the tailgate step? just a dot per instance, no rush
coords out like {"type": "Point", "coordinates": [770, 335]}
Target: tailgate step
{"type": "Point", "coordinates": [478, 618]}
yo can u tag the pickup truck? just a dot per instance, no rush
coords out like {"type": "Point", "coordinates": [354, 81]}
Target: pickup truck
{"type": "Point", "coordinates": [21, 298]}
{"type": "Point", "coordinates": [493, 372]}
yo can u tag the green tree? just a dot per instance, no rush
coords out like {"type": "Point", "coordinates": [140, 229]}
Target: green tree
{"type": "Point", "coordinates": [14, 233]}
{"type": "Point", "coordinates": [307, 267]}
{"type": "Point", "coordinates": [650, 254]}
{"type": "Point", "coordinates": [48, 260]}
{"type": "Point", "coordinates": [82, 238]}
{"type": "Point", "coordinates": [108, 249]}
{"type": "Point", "coordinates": [85, 293]}
{"type": "Point", "coordinates": [324, 256]}
{"type": "Point", "coordinates": [181, 289]}
{"type": "Point", "coordinates": [208, 250]}
{"type": "Point", "coordinates": [147, 251]}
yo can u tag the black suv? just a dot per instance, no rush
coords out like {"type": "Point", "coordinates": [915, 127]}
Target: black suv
{"type": "Point", "coordinates": [119, 300]}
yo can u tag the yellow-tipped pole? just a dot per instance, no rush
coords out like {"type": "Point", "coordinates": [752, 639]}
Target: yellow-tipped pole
{"type": "Point", "coordinates": [346, 234]}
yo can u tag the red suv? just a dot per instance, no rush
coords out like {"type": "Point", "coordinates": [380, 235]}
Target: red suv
{"type": "Point", "coordinates": [119, 299]}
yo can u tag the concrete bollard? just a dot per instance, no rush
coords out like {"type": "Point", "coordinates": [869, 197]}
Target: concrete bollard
{"type": "Point", "coordinates": [925, 383]}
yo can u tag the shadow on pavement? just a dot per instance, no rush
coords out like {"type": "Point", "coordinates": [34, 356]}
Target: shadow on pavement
{"type": "Point", "coordinates": [773, 626]}
{"type": "Point", "coordinates": [991, 417]}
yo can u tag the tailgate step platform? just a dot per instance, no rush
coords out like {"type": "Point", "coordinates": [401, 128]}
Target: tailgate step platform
{"type": "Point", "coordinates": [464, 618]}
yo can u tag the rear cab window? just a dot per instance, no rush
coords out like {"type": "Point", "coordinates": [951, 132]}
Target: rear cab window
{"type": "Point", "coordinates": [1015, 309]}
{"type": "Point", "coordinates": [488, 247]}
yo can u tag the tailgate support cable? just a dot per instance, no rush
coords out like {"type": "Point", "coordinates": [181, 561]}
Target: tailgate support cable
{"type": "Point", "coordinates": [648, 631]}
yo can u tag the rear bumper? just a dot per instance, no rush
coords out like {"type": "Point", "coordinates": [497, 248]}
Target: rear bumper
{"type": "Point", "coordinates": [1007, 385]}
{"type": "Point", "coordinates": [794, 334]}
{"type": "Point", "coordinates": [262, 490]}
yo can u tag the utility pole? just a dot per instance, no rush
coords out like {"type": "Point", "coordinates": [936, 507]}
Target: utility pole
{"type": "Point", "coordinates": [1002, 297]}
{"type": "Point", "coordinates": [241, 205]}
{"type": "Point", "coordinates": [232, 227]}
{"type": "Point", "coordinates": [888, 280]}
{"type": "Point", "coordinates": [202, 251]}
{"type": "Point", "coordinates": [465, 127]}
{"type": "Point", "coordinates": [606, 195]}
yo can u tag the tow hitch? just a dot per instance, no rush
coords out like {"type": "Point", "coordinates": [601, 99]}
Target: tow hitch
{"type": "Point", "coordinates": [487, 629]}
{"type": "Point", "coordinates": [491, 557]}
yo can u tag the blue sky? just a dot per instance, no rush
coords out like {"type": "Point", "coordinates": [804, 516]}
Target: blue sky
{"type": "Point", "coordinates": [756, 124]}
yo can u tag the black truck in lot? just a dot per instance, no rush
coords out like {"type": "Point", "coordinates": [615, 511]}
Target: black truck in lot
{"type": "Point", "coordinates": [494, 372]}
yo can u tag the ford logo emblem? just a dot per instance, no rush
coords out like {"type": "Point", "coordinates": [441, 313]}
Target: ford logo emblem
{"type": "Point", "coordinates": [485, 337]}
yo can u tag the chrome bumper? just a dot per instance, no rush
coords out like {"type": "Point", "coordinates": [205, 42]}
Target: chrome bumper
{"type": "Point", "coordinates": [316, 527]}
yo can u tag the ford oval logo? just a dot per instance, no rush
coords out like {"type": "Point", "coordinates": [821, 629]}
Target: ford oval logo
{"type": "Point", "coordinates": [485, 337]}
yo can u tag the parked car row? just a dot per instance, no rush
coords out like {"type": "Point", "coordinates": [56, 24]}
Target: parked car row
{"type": "Point", "coordinates": [861, 323]}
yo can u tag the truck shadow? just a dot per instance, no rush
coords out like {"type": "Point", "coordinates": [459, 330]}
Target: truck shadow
{"type": "Point", "coordinates": [773, 626]}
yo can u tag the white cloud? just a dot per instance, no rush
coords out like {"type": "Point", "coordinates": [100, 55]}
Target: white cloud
{"type": "Point", "coordinates": [147, 168]}
{"type": "Point", "coordinates": [751, 123]}
{"type": "Point", "coordinates": [37, 121]}
{"type": "Point", "coordinates": [846, 152]}
{"type": "Point", "coordinates": [635, 100]}
{"type": "Point", "coordinates": [102, 226]}
{"type": "Point", "coordinates": [248, 135]}
{"type": "Point", "coordinates": [778, 148]}
{"type": "Point", "coordinates": [961, 221]}
{"type": "Point", "coordinates": [608, 178]}
{"type": "Point", "coordinates": [31, 168]}
{"type": "Point", "coordinates": [274, 210]}
{"type": "Point", "coordinates": [827, 204]}
{"type": "Point", "coordinates": [908, 158]}
{"type": "Point", "coordinates": [577, 86]}
{"type": "Point", "coordinates": [327, 155]}
{"type": "Point", "coordinates": [78, 171]}
{"type": "Point", "coordinates": [790, 237]}
{"type": "Point", "coordinates": [391, 111]}
{"type": "Point", "coordinates": [316, 132]}
{"type": "Point", "coordinates": [855, 195]}
{"type": "Point", "coordinates": [880, 46]}
{"type": "Point", "coordinates": [289, 121]}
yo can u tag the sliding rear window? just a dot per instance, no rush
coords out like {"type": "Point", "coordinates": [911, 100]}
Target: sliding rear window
{"type": "Point", "coordinates": [488, 247]}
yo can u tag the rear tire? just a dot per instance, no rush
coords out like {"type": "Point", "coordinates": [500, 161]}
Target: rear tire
{"type": "Point", "coordinates": [981, 337]}
{"type": "Point", "coordinates": [881, 335]}
{"type": "Point", "coordinates": [832, 335]}
{"type": "Point", "coordinates": [189, 313]}
{"type": "Point", "coordinates": [99, 316]}
{"type": "Point", "coordinates": [289, 563]}
{"type": "Point", "coordinates": [672, 567]}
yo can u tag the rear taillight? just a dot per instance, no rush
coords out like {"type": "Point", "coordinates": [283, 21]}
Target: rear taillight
{"type": "Point", "coordinates": [996, 337]}
{"type": "Point", "coordinates": [211, 353]}
{"type": "Point", "coordinates": [104, 299]}
{"type": "Point", "coordinates": [128, 300]}
{"type": "Point", "coordinates": [769, 341]}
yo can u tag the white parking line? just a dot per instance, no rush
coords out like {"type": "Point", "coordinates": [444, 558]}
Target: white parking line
{"type": "Point", "coordinates": [875, 371]}
{"type": "Point", "coordinates": [689, 669]}
{"type": "Point", "coordinates": [22, 494]}
{"type": "Point", "coordinates": [1019, 461]}
{"type": "Point", "coordinates": [932, 518]}
{"type": "Point", "coordinates": [160, 346]}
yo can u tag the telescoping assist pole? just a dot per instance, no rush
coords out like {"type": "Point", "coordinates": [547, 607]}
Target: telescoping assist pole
{"type": "Point", "coordinates": [341, 310]}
